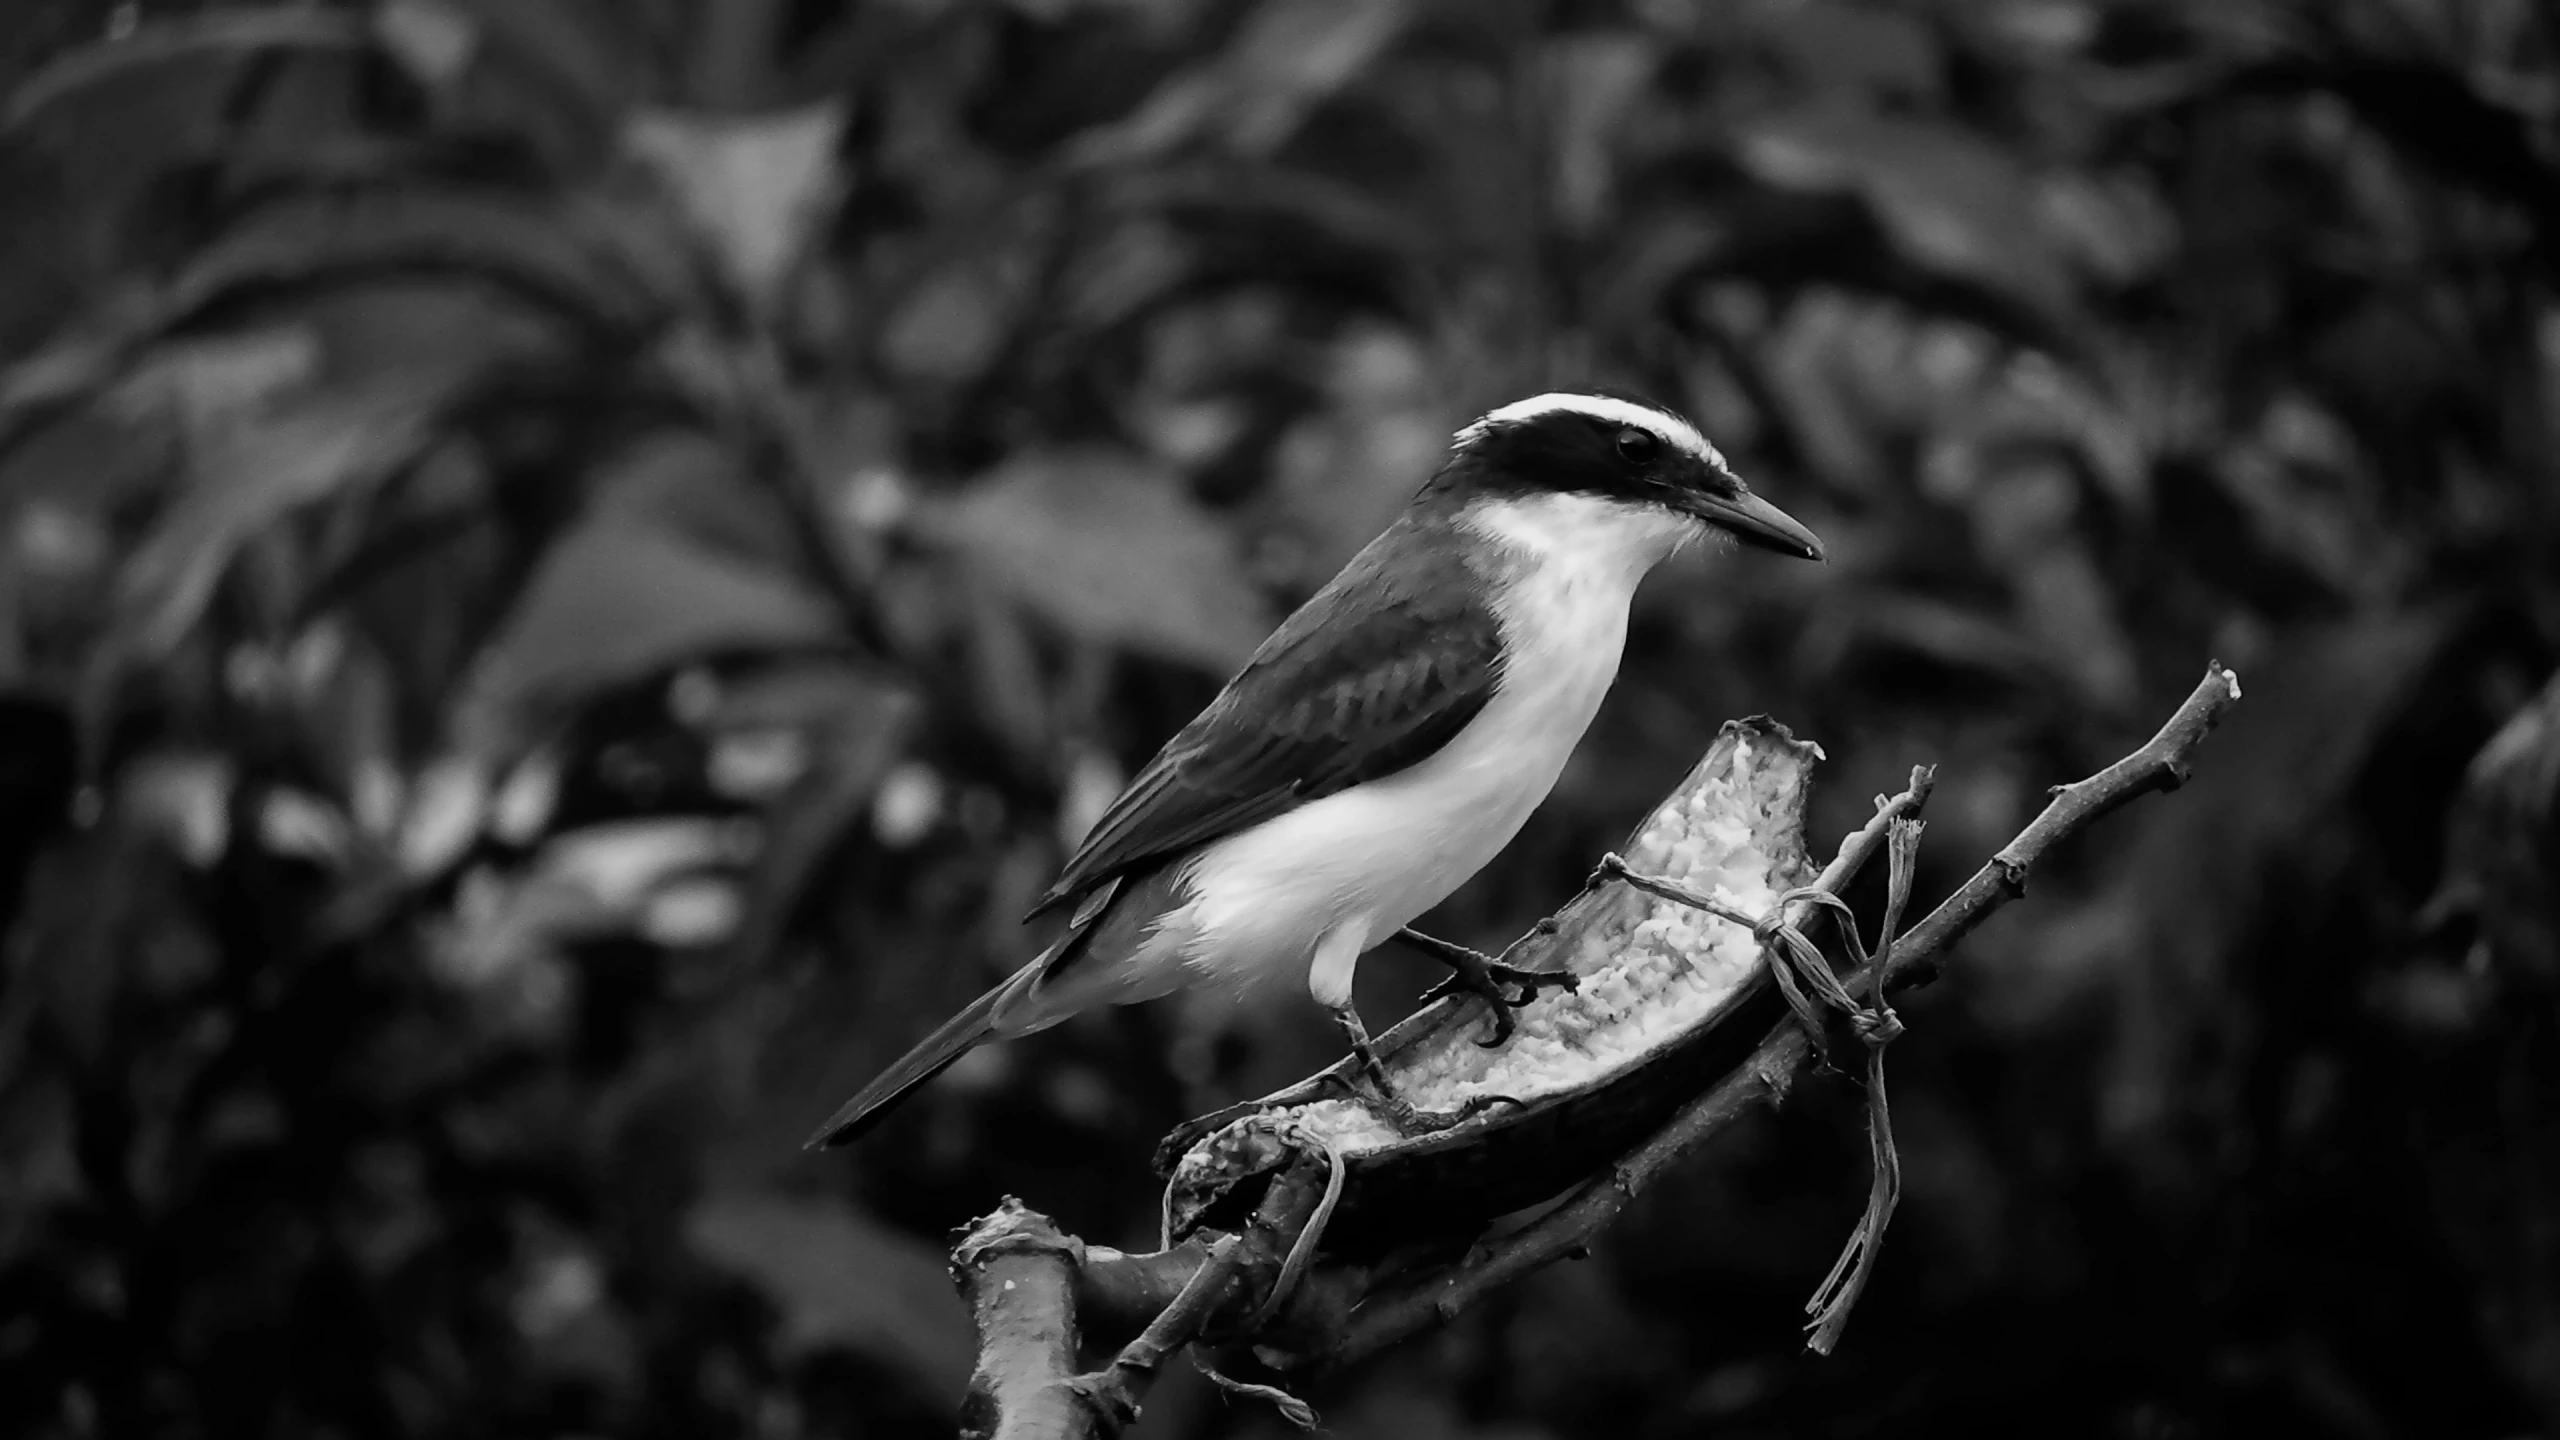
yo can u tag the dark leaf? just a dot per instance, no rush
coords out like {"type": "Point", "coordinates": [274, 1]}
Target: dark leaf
{"type": "Point", "coordinates": [619, 598]}
{"type": "Point", "coordinates": [1290, 57]}
{"type": "Point", "coordinates": [1950, 199]}
{"type": "Point", "coordinates": [840, 1278]}
{"type": "Point", "coordinates": [1111, 550]}
{"type": "Point", "coordinates": [583, 50]}
{"type": "Point", "coordinates": [225, 33]}
{"type": "Point", "coordinates": [245, 476]}
{"type": "Point", "coordinates": [578, 259]}
{"type": "Point", "coordinates": [855, 727]}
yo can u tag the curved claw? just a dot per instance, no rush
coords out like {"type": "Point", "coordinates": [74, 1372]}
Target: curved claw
{"type": "Point", "coordinates": [1487, 979]}
{"type": "Point", "coordinates": [1411, 1120]}
{"type": "Point", "coordinates": [1500, 1004]}
{"type": "Point", "coordinates": [1530, 981]}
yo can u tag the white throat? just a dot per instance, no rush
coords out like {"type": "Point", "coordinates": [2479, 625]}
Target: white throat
{"type": "Point", "coordinates": [1551, 541]}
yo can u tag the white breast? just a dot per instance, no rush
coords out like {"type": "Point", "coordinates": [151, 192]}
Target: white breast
{"type": "Point", "coordinates": [1564, 569]}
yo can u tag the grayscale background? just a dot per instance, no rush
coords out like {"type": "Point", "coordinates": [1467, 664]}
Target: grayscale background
{"type": "Point", "coordinates": [568, 567]}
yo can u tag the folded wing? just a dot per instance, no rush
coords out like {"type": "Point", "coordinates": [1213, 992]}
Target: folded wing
{"type": "Point", "coordinates": [1382, 668]}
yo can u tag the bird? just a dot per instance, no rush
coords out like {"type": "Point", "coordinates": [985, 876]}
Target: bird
{"type": "Point", "coordinates": [1384, 744]}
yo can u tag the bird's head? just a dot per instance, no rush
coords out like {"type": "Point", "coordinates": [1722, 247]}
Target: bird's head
{"type": "Point", "coordinates": [1640, 469]}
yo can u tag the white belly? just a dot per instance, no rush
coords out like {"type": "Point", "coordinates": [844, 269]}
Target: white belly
{"type": "Point", "coordinates": [1381, 853]}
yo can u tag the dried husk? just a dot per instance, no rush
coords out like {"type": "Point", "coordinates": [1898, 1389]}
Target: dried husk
{"type": "Point", "coordinates": [1669, 999]}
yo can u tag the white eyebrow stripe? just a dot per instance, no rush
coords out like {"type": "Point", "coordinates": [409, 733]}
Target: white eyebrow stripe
{"type": "Point", "coordinates": [1673, 430]}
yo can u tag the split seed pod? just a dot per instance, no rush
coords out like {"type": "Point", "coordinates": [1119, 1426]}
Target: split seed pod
{"type": "Point", "coordinates": [1669, 998]}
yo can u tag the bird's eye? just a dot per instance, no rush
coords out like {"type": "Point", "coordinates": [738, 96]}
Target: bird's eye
{"type": "Point", "coordinates": [1637, 446]}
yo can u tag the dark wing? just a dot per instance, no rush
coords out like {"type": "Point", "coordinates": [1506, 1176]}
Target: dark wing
{"type": "Point", "coordinates": [1382, 668]}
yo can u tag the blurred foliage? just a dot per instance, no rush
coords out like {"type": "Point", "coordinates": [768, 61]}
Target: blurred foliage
{"type": "Point", "coordinates": [570, 566]}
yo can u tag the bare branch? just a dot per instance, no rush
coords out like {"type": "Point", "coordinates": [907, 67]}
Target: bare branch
{"type": "Point", "coordinates": [1772, 1070]}
{"type": "Point", "coordinates": [1176, 1296]}
{"type": "Point", "coordinates": [1117, 1388]}
{"type": "Point", "coordinates": [1017, 1271]}
{"type": "Point", "coordinates": [1119, 1294]}
{"type": "Point", "coordinates": [2160, 765]}
{"type": "Point", "coordinates": [1026, 1283]}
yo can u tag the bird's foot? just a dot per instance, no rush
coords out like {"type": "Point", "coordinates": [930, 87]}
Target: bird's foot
{"type": "Point", "coordinates": [1472, 972]}
{"type": "Point", "coordinates": [1408, 1119]}
{"type": "Point", "coordinates": [1357, 1035]}
{"type": "Point", "coordinates": [1382, 1097]}
{"type": "Point", "coordinates": [1411, 1121]}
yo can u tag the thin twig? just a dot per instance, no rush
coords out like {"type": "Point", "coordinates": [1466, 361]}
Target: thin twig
{"type": "Point", "coordinates": [2162, 765]}
{"type": "Point", "coordinates": [1614, 867]}
{"type": "Point", "coordinates": [1878, 1027]}
{"type": "Point", "coordinates": [1117, 1389]}
{"type": "Point", "coordinates": [1256, 1261]}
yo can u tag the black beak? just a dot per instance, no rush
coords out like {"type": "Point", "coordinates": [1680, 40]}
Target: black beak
{"type": "Point", "coordinates": [1754, 521]}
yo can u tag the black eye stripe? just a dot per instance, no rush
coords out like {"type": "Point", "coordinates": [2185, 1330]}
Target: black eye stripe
{"type": "Point", "coordinates": [1637, 446]}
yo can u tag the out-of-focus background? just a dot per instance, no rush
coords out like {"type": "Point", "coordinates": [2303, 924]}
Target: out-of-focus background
{"type": "Point", "coordinates": [567, 567]}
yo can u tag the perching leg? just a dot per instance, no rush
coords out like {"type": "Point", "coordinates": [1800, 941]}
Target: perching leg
{"type": "Point", "coordinates": [1329, 980]}
{"type": "Point", "coordinates": [1337, 957]}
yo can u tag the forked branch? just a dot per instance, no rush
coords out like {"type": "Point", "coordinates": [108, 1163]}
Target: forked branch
{"type": "Point", "coordinates": [1227, 1284]}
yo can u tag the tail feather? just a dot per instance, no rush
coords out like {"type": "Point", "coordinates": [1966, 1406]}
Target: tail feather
{"type": "Point", "coordinates": [1011, 1008]}
{"type": "Point", "coordinates": [937, 1052]}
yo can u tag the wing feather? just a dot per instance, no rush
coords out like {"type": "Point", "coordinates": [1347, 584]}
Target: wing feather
{"type": "Point", "coordinates": [1376, 673]}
